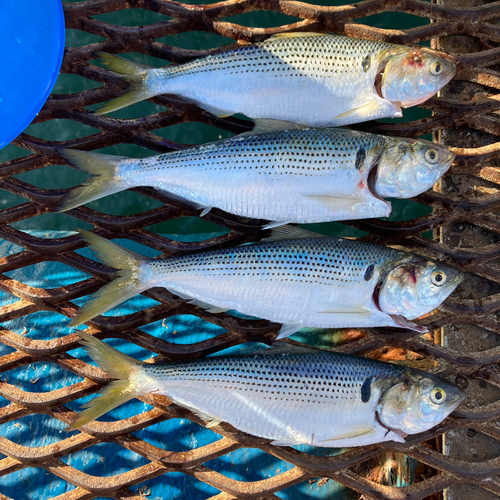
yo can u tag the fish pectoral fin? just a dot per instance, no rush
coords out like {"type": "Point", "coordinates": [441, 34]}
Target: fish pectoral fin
{"type": "Point", "coordinates": [288, 330]}
{"type": "Point", "coordinates": [349, 435]}
{"type": "Point", "coordinates": [370, 111]}
{"type": "Point", "coordinates": [268, 125]}
{"type": "Point", "coordinates": [378, 207]}
{"type": "Point", "coordinates": [345, 311]}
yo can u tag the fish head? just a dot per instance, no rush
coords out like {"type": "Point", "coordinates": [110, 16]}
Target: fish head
{"type": "Point", "coordinates": [410, 78]}
{"type": "Point", "coordinates": [408, 167]}
{"type": "Point", "coordinates": [416, 287]}
{"type": "Point", "coordinates": [417, 402]}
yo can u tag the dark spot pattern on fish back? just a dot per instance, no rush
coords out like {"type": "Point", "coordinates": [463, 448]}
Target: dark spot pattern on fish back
{"type": "Point", "coordinates": [314, 260]}
{"type": "Point", "coordinates": [312, 378]}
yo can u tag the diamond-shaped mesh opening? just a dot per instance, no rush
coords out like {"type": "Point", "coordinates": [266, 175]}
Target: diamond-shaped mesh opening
{"type": "Point", "coordinates": [168, 452]}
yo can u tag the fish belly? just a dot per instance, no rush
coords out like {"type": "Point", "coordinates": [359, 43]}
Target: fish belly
{"type": "Point", "coordinates": [286, 192]}
{"type": "Point", "coordinates": [300, 99]}
{"type": "Point", "coordinates": [273, 294]}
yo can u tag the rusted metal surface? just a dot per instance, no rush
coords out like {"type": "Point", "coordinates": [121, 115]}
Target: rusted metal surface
{"type": "Point", "coordinates": [474, 208]}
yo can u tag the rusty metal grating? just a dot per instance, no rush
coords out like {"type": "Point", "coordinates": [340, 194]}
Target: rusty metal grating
{"type": "Point", "coordinates": [466, 119]}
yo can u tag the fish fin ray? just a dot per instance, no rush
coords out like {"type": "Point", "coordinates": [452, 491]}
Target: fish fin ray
{"type": "Point", "coordinates": [134, 74]}
{"type": "Point", "coordinates": [295, 34]}
{"type": "Point", "coordinates": [208, 419]}
{"type": "Point", "coordinates": [213, 110]}
{"type": "Point", "coordinates": [289, 329]}
{"type": "Point", "coordinates": [286, 442]}
{"type": "Point", "coordinates": [269, 125]}
{"type": "Point", "coordinates": [350, 435]}
{"type": "Point", "coordinates": [275, 224]}
{"type": "Point", "coordinates": [368, 111]}
{"type": "Point", "coordinates": [282, 348]}
{"type": "Point", "coordinates": [103, 169]}
{"type": "Point", "coordinates": [289, 232]}
{"type": "Point", "coordinates": [199, 303]}
{"type": "Point", "coordinates": [118, 365]}
{"type": "Point", "coordinates": [120, 289]}
{"type": "Point", "coordinates": [344, 311]}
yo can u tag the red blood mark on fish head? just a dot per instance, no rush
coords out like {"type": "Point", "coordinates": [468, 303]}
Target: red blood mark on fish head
{"type": "Point", "coordinates": [413, 275]}
{"type": "Point", "coordinates": [361, 184]}
{"type": "Point", "coordinates": [414, 58]}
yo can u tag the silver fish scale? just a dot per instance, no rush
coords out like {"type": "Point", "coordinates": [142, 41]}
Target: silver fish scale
{"type": "Point", "coordinates": [323, 56]}
{"type": "Point", "coordinates": [302, 152]}
{"type": "Point", "coordinates": [315, 377]}
{"type": "Point", "coordinates": [308, 260]}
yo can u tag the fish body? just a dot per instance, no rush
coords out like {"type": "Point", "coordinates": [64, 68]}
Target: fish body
{"type": "Point", "coordinates": [310, 397]}
{"type": "Point", "coordinates": [306, 78]}
{"type": "Point", "coordinates": [300, 279]}
{"type": "Point", "coordinates": [301, 176]}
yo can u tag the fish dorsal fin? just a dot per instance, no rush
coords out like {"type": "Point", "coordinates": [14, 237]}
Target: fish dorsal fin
{"type": "Point", "coordinates": [282, 348]}
{"type": "Point", "coordinates": [289, 232]}
{"type": "Point", "coordinates": [269, 125]}
{"type": "Point", "coordinates": [296, 34]}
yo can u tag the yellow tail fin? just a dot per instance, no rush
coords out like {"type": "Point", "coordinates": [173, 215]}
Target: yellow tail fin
{"type": "Point", "coordinates": [105, 180]}
{"type": "Point", "coordinates": [134, 74]}
{"type": "Point", "coordinates": [118, 365]}
{"type": "Point", "coordinates": [127, 285]}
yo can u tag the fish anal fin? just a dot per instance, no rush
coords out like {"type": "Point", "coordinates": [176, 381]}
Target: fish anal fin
{"type": "Point", "coordinates": [213, 110]}
{"type": "Point", "coordinates": [205, 211]}
{"type": "Point", "coordinates": [204, 305]}
{"type": "Point", "coordinates": [286, 442]}
{"type": "Point", "coordinates": [276, 223]}
{"type": "Point", "coordinates": [288, 330]}
{"type": "Point", "coordinates": [209, 420]}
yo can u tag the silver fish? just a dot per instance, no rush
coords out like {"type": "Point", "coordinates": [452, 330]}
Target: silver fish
{"type": "Point", "coordinates": [307, 78]}
{"type": "Point", "coordinates": [300, 176]}
{"type": "Point", "coordinates": [298, 279]}
{"type": "Point", "coordinates": [310, 397]}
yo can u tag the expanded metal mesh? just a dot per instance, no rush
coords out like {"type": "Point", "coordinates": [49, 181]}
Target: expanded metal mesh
{"type": "Point", "coordinates": [475, 111]}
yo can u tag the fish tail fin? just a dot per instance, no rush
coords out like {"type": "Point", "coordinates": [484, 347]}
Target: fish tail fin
{"type": "Point", "coordinates": [120, 366]}
{"type": "Point", "coordinates": [131, 266]}
{"type": "Point", "coordinates": [134, 74]}
{"type": "Point", "coordinates": [104, 181]}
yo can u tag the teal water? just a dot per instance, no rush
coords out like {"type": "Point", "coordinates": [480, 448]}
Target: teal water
{"type": "Point", "coordinates": [127, 203]}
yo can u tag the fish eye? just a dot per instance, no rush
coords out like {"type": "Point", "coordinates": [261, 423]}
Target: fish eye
{"type": "Point", "coordinates": [438, 396]}
{"type": "Point", "coordinates": [438, 278]}
{"type": "Point", "coordinates": [436, 68]}
{"type": "Point", "coordinates": [432, 156]}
